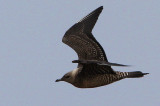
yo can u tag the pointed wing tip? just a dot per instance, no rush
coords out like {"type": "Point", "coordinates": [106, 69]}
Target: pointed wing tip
{"type": "Point", "coordinates": [89, 20]}
{"type": "Point", "coordinates": [101, 7]}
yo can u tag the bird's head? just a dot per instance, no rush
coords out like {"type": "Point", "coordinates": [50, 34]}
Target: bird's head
{"type": "Point", "coordinates": [69, 77]}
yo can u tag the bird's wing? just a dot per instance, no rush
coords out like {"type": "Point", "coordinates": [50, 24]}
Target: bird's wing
{"type": "Point", "coordinates": [95, 69]}
{"type": "Point", "coordinates": [80, 38]}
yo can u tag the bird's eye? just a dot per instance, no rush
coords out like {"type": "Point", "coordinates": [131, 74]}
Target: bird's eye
{"type": "Point", "coordinates": [67, 76]}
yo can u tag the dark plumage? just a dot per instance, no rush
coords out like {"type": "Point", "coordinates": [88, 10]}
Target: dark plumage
{"type": "Point", "coordinates": [93, 69]}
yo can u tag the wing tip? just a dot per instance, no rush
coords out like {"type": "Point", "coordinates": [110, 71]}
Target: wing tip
{"type": "Point", "coordinates": [101, 7]}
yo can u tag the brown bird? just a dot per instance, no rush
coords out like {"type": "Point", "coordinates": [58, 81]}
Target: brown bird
{"type": "Point", "coordinates": [93, 69]}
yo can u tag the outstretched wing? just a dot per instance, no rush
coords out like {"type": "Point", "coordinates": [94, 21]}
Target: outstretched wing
{"type": "Point", "coordinates": [95, 69]}
{"type": "Point", "coordinates": [80, 38]}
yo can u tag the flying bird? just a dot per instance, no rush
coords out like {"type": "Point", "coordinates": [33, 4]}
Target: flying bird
{"type": "Point", "coordinates": [93, 68]}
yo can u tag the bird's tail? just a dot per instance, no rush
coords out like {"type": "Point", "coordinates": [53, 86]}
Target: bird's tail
{"type": "Point", "coordinates": [135, 74]}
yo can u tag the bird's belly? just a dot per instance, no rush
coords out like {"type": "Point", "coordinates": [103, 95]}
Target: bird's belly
{"type": "Point", "coordinates": [99, 80]}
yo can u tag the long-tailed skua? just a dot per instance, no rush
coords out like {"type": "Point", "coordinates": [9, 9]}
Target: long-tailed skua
{"type": "Point", "coordinates": [93, 68]}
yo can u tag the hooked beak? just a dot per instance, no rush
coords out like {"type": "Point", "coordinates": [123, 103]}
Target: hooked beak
{"type": "Point", "coordinates": [58, 80]}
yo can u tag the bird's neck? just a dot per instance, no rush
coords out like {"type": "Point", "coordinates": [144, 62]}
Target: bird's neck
{"type": "Point", "coordinates": [74, 72]}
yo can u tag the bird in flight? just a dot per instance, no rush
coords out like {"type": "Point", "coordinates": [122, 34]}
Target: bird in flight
{"type": "Point", "coordinates": [93, 68]}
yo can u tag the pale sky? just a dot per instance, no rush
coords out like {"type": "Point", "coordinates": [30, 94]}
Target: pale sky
{"type": "Point", "coordinates": [32, 55]}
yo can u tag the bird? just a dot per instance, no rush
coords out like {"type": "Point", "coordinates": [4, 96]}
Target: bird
{"type": "Point", "coordinates": [93, 69]}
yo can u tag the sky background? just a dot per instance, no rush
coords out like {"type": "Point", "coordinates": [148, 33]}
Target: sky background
{"type": "Point", "coordinates": [32, 55]}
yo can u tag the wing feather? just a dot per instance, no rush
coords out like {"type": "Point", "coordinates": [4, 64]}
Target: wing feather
{"type": "Point", "coordinates": [80, 38]}
{"type": "Point", "coordinates": [94, 69]}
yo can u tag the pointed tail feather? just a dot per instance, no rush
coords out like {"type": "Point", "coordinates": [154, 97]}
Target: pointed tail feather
{"type": "Point", "coordinates": [136, 74]}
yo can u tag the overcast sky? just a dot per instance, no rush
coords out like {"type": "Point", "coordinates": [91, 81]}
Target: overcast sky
{"type": "Point", "coordinates": [32, 55]}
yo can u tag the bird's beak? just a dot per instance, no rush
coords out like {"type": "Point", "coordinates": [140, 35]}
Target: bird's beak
{"type": "Point", "coordinates": [58, 80]}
